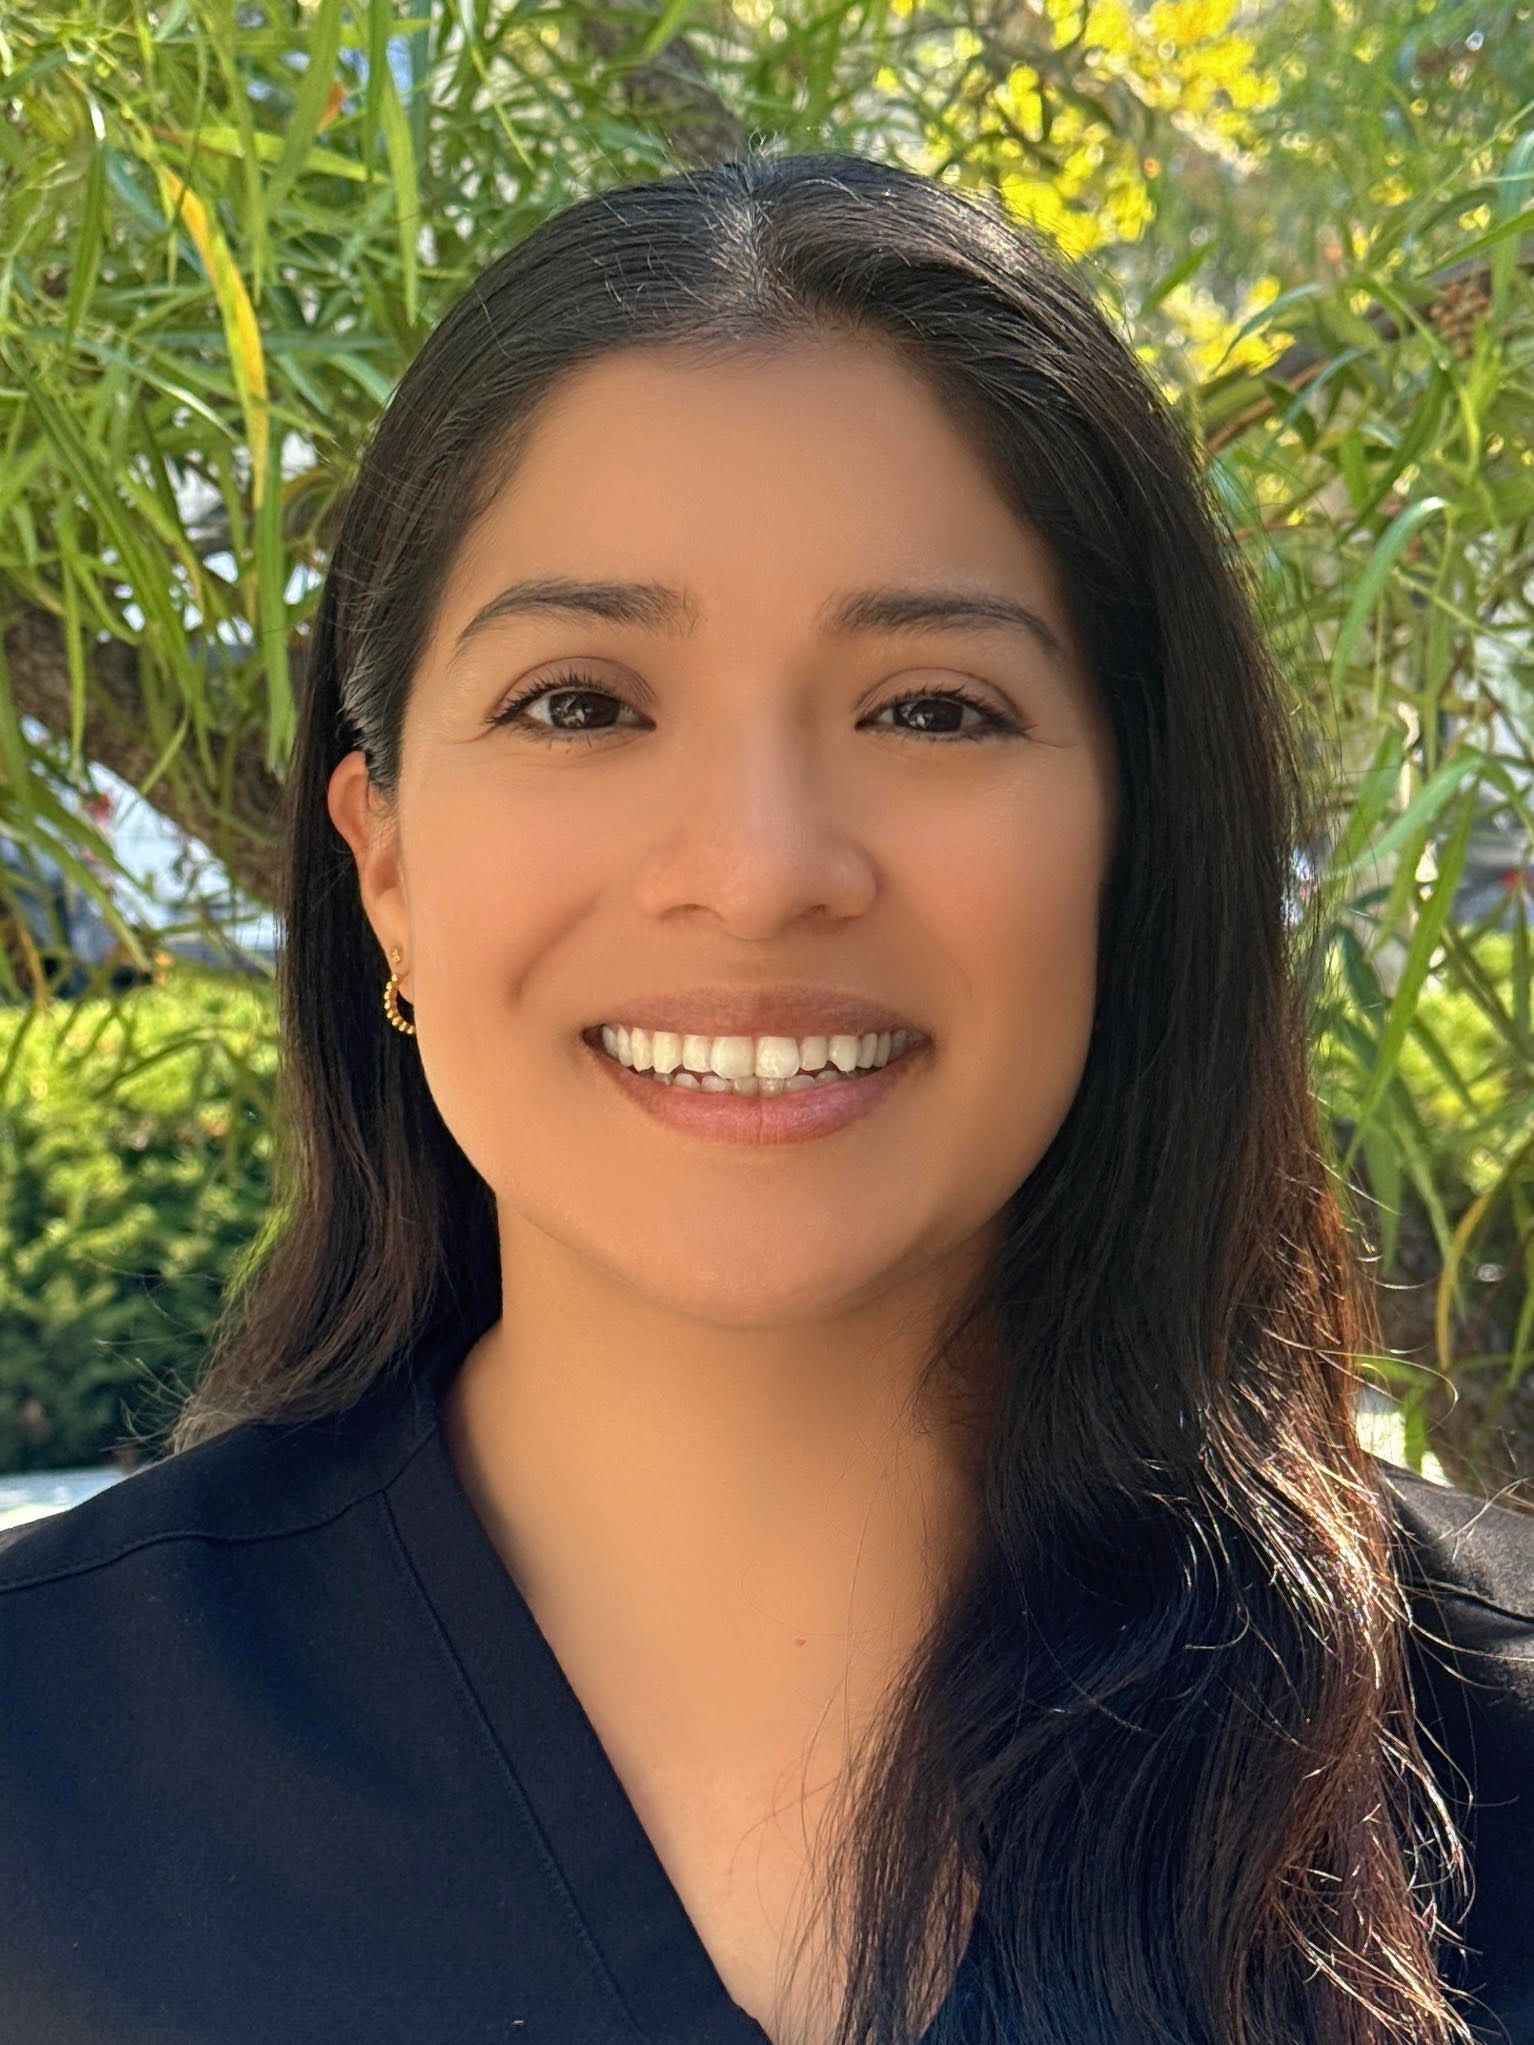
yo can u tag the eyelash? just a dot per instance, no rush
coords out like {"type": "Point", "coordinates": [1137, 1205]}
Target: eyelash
{"type": "Point", "coordinates": [575, 682]}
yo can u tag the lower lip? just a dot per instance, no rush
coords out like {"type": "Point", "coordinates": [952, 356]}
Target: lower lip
{"type": "Point", "coordinates": [762, 1118]}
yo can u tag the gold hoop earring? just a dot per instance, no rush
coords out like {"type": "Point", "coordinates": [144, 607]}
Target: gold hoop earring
{"type": "Point", "coordinates": [391, 1001]}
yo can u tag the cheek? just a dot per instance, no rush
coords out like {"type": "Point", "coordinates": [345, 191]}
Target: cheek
{"type": "Point", "coordinates": [490, 894]}
{"type": "Point", "coordinates": [1020, 937]}
{"type": "Point", "coordinates": [492, 904]}
{"type": "Point", "coordinates": [1032, 950]}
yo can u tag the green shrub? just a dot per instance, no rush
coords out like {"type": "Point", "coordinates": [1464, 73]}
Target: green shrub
{"type": "Point", "coordinates": [135, 1143]}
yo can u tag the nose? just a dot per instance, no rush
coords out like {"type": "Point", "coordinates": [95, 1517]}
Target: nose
{"type": "Point", "coordinates": [758, 833]}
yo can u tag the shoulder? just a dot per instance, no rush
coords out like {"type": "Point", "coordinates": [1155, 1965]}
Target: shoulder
{"type": "Point", "coordinates": [1466, 1565]}
{"type": "Point", "coordinates": [224, 1489]}
{"type": "Point", "coordinates": [1460, 1546]}
{"type": "Point", "coordinates": [255, 1482]}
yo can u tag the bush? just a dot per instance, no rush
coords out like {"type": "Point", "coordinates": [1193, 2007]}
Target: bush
{"type": "Point", "coordinates": [135, 1153]}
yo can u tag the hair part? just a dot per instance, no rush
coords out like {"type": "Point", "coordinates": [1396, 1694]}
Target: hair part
{"type": "Point", "coordinates": [1156, 1729]}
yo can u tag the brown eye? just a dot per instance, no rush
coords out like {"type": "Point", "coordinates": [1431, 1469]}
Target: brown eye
{"type": "Point", "coordinates": [994, 724]}
{"type": "Point", "coordinates": [564, 690]}
{"type": "Point", "coordinates": [577, 688]}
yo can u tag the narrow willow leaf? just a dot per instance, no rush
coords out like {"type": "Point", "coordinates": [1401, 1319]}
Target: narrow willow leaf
{"type": "Point", "coordinates": [219, 139]}
{"type": "Point", "coordinates": [1514, 215]}
{"type": "Point", "coordinates": [127, 187]}
{"type": "Point", "coordinates": [1370, 802]}
{"type": "Point", "coordinates": [1433, 916]}
{"type": "Point", "coordinates": [1412, 321]}
{"type": "Point", "coordinates": [1298, 407]}
{"type": "Point", "coordinates": [417, 35]}
{"type": "Point", "coordinates": [1418, 1156]}
{"type": "Point", "coordinates": [272, 620]}
{"type": "Point", "coordinates": [26, 529]}
{"type": "Point", "coordinates": [407, 198]}
{"type": "Point", "coordinates": [136, 567]}
{"type": "Point", "coordinates": [1179, 273]}
{"type": "Point", "coordinates": [10, 980]}
{"type": "Point", "coordinates": [87, 257]}
{"type": "Point", "coordinates": [322, 44]}
{"type": "Point", "coordinates": [1384, 1163]}
{"type": "Point", "coordinates": [1419, 436]}
{"type": "Point", "coordinates": [1437, 1054]}
{"type": "Point", "coordinates": [15, 753]}
{"type": "Point", "coordinates": [241, 333]}
{"type": "Point", "coordinates": [1362, 977]}
{"type": "Point", "coordinates": [70, 578]}
{"type": "Point", "coordinates": [17, 470]}
{"type": "Point", "coordinates": [103, 350]}
{"type": "Point", "coordinates": [670, 22]}
{"type": "Point", "coordinates": [1354, 465]}
{"type": "Point", "coordinates": [219, 23]}
{"type": "Point", "coordinates": [60, 835]}
{"type": "Point", "coordinates": [363, 373]}
{"type": "Point", "coordinates": [1378, 572]}
{"type": "Point", "coordinates": [1477, 984]}
{"type": "Point", "coordinates": [172, 746]}
{"type": "Point", "coordinates": [1450, 1288]}
{"type": "Point", "coordinates": [379, 12]}
{"type": "Point", "coordinates": [17, 81]}
{"type": "Point", "coordinates": [1272, 314]}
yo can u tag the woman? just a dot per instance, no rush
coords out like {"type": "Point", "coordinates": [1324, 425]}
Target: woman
{"type": "Point", "coordinates": [789, 1470]}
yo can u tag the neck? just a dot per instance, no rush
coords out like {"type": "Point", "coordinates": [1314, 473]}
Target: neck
{"type": "Point", "coordinates": [747, 1520]}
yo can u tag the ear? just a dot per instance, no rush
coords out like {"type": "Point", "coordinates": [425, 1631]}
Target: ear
{"type": "Point", "coordinates": [368, 825]}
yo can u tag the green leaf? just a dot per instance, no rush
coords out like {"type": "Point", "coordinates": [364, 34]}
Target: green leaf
{"type": "Point", "coordinates": [1513, 216]}
{"type": "Point", "coordinates": [364, 374]}
{"type": "Point", "coordinates": [1378, 572]}
{"type": "Point", "coordinates": [377, 62]}
{"type": "Point", "coordinates": [15, 753]}
{"type": "Point", "coordinates": [1179, 273]}
{"type": "Point", "coordinates": [71, 575]}
{"type": "Point", "coordinates": [670, 22]}
{"type": "Point", "coordinates": [1272, 314]}
{"type": "Point", "coordinates": [87, 259]}
{"type": "Point", "coordinates": [407, 198]}
{"type": "Point", "coordinates": [140, 570]}
{"type": "Point", "coordinates": [220, 28]}
{"type": "Point", "coordinates": [271, 584]}
{"type": "Point", "coordinates": [1416, 820]}
{"type": "Point", "coordinates": [1433, 916]}
{"type": "Point", "coordinates": [322, 41]}
{"type": "Point", "coordinates": [1385, 1179]}
{"type": "Point", "coordinates": [225, 140]}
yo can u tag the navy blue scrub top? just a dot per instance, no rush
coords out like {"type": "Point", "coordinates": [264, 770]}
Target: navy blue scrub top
{"type": "Point", "coordinates": [286, 1760]}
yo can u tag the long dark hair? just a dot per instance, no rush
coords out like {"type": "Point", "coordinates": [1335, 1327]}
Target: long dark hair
{"type": "Point", "coordinates": [1166, 1733]}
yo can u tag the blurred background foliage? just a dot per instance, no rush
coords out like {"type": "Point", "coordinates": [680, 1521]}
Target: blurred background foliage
{"type": "Point", "coordinates": [224, 231]}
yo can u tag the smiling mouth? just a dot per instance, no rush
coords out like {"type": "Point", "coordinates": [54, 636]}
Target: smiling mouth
{"type": "Point", "coordinates": [779, 1062]}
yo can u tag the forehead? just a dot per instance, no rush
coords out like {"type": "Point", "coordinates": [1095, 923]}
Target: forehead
{"type": "Point", "coordinates": [768, 473]}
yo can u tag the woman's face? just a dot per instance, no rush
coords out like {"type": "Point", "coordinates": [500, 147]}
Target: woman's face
{"type": "Point", "coordinates": [755, 793]}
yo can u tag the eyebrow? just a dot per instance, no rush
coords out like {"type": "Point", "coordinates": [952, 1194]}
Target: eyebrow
{"type": "Point", "coordinates": [657, 607]}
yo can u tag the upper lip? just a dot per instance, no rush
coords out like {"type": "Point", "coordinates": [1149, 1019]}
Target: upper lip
{"type": "Point", "coordinates": [796, 1009]}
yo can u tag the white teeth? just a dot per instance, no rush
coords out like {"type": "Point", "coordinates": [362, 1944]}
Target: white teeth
{"type": "Point", "coordinates": [750, 1064]}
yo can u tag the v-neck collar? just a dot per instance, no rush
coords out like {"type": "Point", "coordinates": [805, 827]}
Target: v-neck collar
{"type": "Point", "coordinates": [639, 1933]}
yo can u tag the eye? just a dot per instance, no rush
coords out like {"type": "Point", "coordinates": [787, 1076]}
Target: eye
{"type": "Point", "coordinates": [575, 686]}
{"type": "Point", "coordinates": [993, 724]}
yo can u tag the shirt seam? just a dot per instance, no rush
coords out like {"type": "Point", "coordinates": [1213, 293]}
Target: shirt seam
{"type": "Point", "coordinates": [1466, 1597]}
{"type": "Point", "coordinates": [193, 1533]}
{"type": "Point", "coordinates": [506, 1766]}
